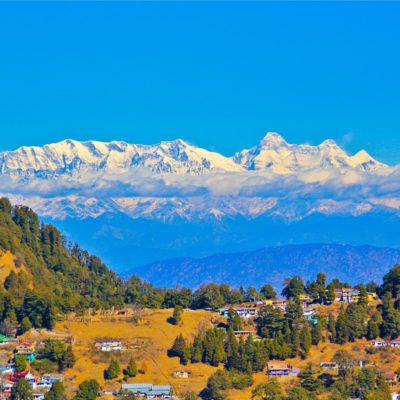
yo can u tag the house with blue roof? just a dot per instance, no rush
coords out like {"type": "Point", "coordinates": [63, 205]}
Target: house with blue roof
{"type": "Point", "coordinates": [148, 390]}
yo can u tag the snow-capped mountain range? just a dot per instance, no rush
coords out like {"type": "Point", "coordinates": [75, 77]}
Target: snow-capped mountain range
{"type": "Point", "coordinates": [174, 199]}
{"type": "Point", "coordinates": [174, 179]}
{"type": "Point", "coordinates": [272, 154]}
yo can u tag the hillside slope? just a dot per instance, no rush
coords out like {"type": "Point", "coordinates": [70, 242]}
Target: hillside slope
{"type": "Point", "coordinates": [42, 277]}
{"type": "Point", "coordinates": [353, 264]}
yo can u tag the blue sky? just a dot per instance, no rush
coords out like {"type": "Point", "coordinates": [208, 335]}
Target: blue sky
{"type": "Point", "coordinates": [216, 74]}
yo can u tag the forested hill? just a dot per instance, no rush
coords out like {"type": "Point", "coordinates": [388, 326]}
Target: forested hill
{"type": "Point", "coordinates": [353, 264]}
{"type": "Point", "coordinates": [41, 275]}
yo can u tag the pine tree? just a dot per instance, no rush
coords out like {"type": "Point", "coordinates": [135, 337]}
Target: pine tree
{"type": "Point", "coordinates": [330, 296]}
{"type": "Point", "coordinates": [20, 363]}
{"type": "Point", "coordinates": [56, 392]}
{"type": "Point", "coordinates": [131, 369]}
{"type": "Point", "coordinates": [88, 390]}
{"type": "Point", "coordinates": [185, 356]}
{"type": "Point", "coordinates": [268, 292]}
{"type": "Point", "coordinates": [21, 390]}
{"type": "Point", "coordinates": [68, 358]}
{"type": "Point", "coordinates": [305, 341]}
{"type": "Point", "coordinates": [197, 350]}
{"type": "Point", "coordinates": [342, 328]}
{"type": "Point", "coordinates": [372, 329]}
{"type": "Point", "coordinates": [113, 370]}
{"type": "Point", "coordinates": [363, 298]}
{"type": "Point", "coordinates": [307, 380]}
{"type": "Point", "coordinates": [390, 326]}
{"type": "Point", "coordinates": [176, 315]}
{"type": "Point", "coordinates": [234, 320]}
{"type": "Point", "coordinates": [316, 333]}
{"type": "Point", "coordinates": [178, 347]}
{"type": "Point", "coordinates": [25, 325]}
{"type": "Point", "coordinates": [332, 328]}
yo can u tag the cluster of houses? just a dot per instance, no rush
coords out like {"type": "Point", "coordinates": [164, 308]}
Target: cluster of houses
{"type": "Point", "coordinates": [382, 343]}
{"type": "Point", "coordinates": [40, 384]}
{"type": "Point", "coordinates": [247, 312]}
{"type": "Point", "coordinates": [9, 374]}
{"type": "Point", "coordinates": [148, 390]}
{"type": "Point", "coordinates": [27, 350]}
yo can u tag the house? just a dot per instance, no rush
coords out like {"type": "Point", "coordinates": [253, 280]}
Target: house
{"type": "Point", "coordinates": [16, 376]}
{"type": "Point", "coordinates": [7, 387]}
{"type": "Point", "coordinates": [280, 303]}
{"type": "Point", "coordinates": [378, 343]}
{"type": "Point", "coordinates": [7, 369]}
{"type": "Point", "coordinates": [42, 385]}
{"type": "Point", "coordinates": [5, 339]}
{"type": "Point", "coordinates": [51, 378]}
{"type": "Point", "coordinates": [182, 374]}
{"type": "Point", "coordinates": [124, 312]}
{"type": "Point", "coordinates": [282, 371]}
{"type": "Point", "coordinates": [346, 295]}
{"type": "Point", "coordinates": [26, 349]}
{"type": "Point", "coordinates": [305, 299]}
{"type": "Point", "coordinates": [148, 390]}
{"type": "Point", "coordinates": [391, 379]}
{"type": "Point", "coordinates": [25, 346]}
{"type": "Point", "coordinates": [328, 365]}
{"type": "Point", "coordinates": [395, 343]}
{"type": "Point", "coordinates": [243, 312]}
{"type": "Point", "coordinates": [28, 354]}
{"type": "Point", "coordinates": [108, 344]}
{"type": "Point", "coordinates": [395, 396]}
{"type": "Point", "coordinates": [244, 334]}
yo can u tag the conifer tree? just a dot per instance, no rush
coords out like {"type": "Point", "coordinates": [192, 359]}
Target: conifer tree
{"type": "Point", "coordinates": [197, 350]}
{"type": "Point", "coordinates": [131, 369]}
{"type": "Point", "coordinates": [56, 392]}
{"type": "Point", "coordinates": [234, 320]}
{"type": "Point", "coordinates": [342, 328]}
{"type": "Point", "coordinates": [88, 390]}
{"type": "Point", "coordinates": [68, 358]}
{"type": "Point", "coordinates": [316, 333]}
{"type": "Point", "coordinates": [372, 329]}
{"type": "Point", "coordinates": [307, 380]}
{"type": "Point", "coordinates": [21, 390]}
{"type": "Point", "coordinates": [178, 347]}
{"type": "Point", "coordinates": [113, 370]}
{"type": "Point", "coordinates": [305, 341]}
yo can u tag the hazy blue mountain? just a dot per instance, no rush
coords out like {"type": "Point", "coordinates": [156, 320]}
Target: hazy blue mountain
{"type": "Point", "coordinates": [125, 243]}
{"type": "Point", "coordinates": [353, 264]}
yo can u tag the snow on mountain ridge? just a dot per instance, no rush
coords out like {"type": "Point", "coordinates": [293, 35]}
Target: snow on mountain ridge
{"type": "Point", "coordinates": [71, 156]}
{"type": "Point", "coordinates": [272, 154]}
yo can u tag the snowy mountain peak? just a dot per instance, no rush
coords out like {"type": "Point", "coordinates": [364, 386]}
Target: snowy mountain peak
{"type": "Point", "coordinates": [329, 143]}
{"type": "Point", "coordinates": [274, 154]}
{"type": "Point", "coordinates": [273, 139]}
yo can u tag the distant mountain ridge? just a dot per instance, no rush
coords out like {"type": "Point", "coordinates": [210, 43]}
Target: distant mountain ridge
{"type": "Point", "coordinates": [273, 153]}
{"type": "Point", "coordinates": [353, 264]}
{"type": "Point", "coordinates": [142, 203]}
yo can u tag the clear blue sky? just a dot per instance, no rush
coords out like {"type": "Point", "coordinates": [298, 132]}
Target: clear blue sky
{"type": "Point", "coordinates": [216, 74]}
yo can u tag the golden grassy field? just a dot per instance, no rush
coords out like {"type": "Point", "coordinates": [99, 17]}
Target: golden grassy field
{"type": "Point", "coordinates": [153, 334]}
{"type": "Point", "coordinates": [149, 339]}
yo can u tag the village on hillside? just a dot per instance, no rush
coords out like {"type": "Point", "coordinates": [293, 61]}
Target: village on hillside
{"type": "Point", "coordinates": [146, 336]}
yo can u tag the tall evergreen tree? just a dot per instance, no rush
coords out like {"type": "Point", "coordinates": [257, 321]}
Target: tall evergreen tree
{"type": "Point", "coordinates": [113, 370]}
